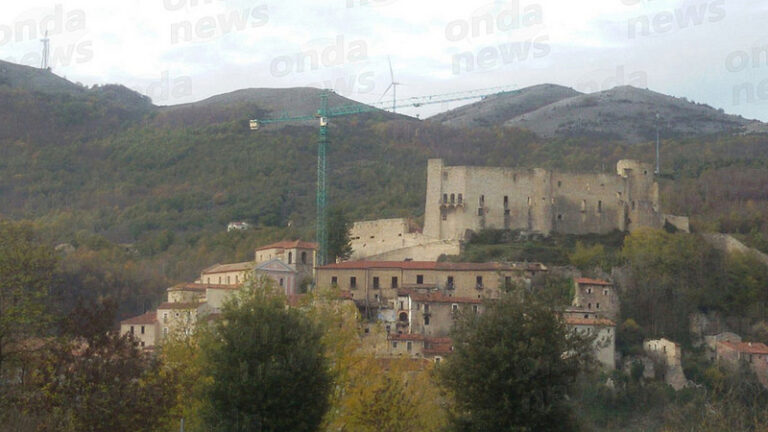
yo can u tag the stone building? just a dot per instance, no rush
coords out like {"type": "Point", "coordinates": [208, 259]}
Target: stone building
{"type": "Point", "coordinates": [669, 354]}
{"type": "Point", "coordinates": [598, 296]}
{"type": "Point", "coordinates": [753, 354]}
{"type": "Point", "coordinates": [589, 322]}
{"type": "Point", "coordinates": [465, 198]}
{"type": "Point", "coordinates": [296, 254]}
{"type": "Point", "coordinates": [396, 240]}
{"type": "Point", "coordinates": [144, 329]}
{"type": "Point", "coordinates": [378, 282]}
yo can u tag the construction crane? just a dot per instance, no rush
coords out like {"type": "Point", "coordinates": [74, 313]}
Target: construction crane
{"type": "Point", "coordinates": [324, 114]}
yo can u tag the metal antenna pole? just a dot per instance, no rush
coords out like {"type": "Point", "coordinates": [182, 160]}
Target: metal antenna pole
{"type": "Point", "coordinates": [322, 228]}
{"type": "Point", "coordinates": [658, 169]}
{"type": "Point", "coordinates": [44, 65]}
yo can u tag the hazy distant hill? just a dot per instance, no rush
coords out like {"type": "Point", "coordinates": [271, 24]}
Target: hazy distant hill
{"type": "Point", "coordinates": [497, 109]}
{"type": "Point", "coordinates": [622, 113]}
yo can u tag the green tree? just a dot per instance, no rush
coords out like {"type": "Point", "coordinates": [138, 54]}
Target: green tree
{"type": "Point", "coordinates": [338, 235]}
{"type": "Point", "coordinates": [512, 368]}
{"type": "Point", "coordinates": [27, 269]}
{"type": "Point", "coordinates": [266, 365]}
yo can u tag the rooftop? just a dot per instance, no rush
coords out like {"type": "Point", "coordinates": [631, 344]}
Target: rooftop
{"type": "Point", "coordinates": [194, 287]}
{"type": "Point", "coordinates": [588, 281]}
{"type": "Point", "coordinates": [289, 244]}
{"type": "Point", "coordinates": [747, 347]}
{"type": "Point", "coordinates": [147, 318]}
{"type": "Point", "coordinates": [225, 268]}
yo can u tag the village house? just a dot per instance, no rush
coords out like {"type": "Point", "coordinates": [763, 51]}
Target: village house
{"type": "Point", "coordinates": [669, 354]}
{"type": "Point", "coordinates": [753, 354]}
{"type": "Point", "coordinates": [588, 322]}
{"type": "Point", "coordinates": [596, 295]}
{"type": "Point", "coordinates": [189, 302]}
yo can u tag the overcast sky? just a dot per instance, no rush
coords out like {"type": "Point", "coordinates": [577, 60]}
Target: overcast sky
{"type": "Point", "coordinates": [177, 51]}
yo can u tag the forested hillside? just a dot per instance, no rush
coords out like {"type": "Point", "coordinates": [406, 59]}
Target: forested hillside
{"type": "Point", "coordinates": [143, 187]}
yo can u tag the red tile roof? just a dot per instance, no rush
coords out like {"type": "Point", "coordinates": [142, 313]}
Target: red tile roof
{"type": "Point", "coordinates": [417, 265]}
{"type": "Point", "coordinates": [588, 281]}
{"type": "Point", "coordinates": [289, 244]}
{"type": "Point", "coordinates": [179, 305]}
{"type": "Point", "coordinates": [747, 347]}
{"type": "Point", "coordinates": [600, 322]}
{"type": "Point", "coordinates": [436, 297]}
{"type": "Point", "coordinates": [147, 318]}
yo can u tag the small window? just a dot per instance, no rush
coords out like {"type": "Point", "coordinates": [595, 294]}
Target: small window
{"type": "Point", "coordinates": [633, 205]}
{"type": "Point", "coordinates": [599, 206]}
{"type": "Point", "coordinates": [353, 282]}
{"type": "Point", "coordinates": [589, 305]}
{"type": "Point", "coordinates": [290, 257]}
{"type": "Point", "coordinates": [228, 280]}
{"type": "Point", "coordinates": [376, 297]}
{"type": "Point", "coordinates": [375, 282]}
{"type": "Point", "coordinates": [141, 343]}
{"type": "Point", "coordinates": [479, 281]}
{"type": "Point", "coordinates": [219, 280]}
{"type": "Point", "coordinates": [394, 344]}
{"type": "Point", "coordinates": [304, 257]}
{"type": "Point", "coordinates": [131, 329]}
{"type": "Point", "coordinates": [454, 308]}
{"type": "Point", "coordinates": [589, 290]}
{"type": "Point", "coordinates": [402, 305]}
{"type": "Point", "coordinates": [426, 307]}
{"type": "Point", "coordinates": [394, 281]}
{"type": "Point", "coordinates": [142, 329]}
{"type": "Point", "coordinates": [481, 201]}
{"type": "Point", "coordinates": [419, 279]}
{"type": "Point", "coordinates": [449, 282]}
{"type": "Point", "coordinates": [559, 183]}
{"type": "Point", "coordinates": [597, 305]}
{"type": "Point", "coordinates": [605, 292]}
{"type": "Point", "coordinates": [409, 346]}
{"type": "Point", "coordinates": [367, 330]}
{"type": "Point", "coordinates": [559, 217]}
{"type": "Point", "coordinates": [445, 198]}
{"type": "Point", "coordinates": [529, 201]}
{"type": "Point", "coordinates": [237, 279]}
{"type": "Point", "coordinates": [453, 198]}
{"type": "Point", "coordinates": [474, 308]}
{"type": "Point", "coordinates": [437, 360]}
{"type": "Point", "coordinates": [461, 198]}
{"type": "Point", "coordinates": [506, 201]}
{"type": "Point", "coordinates": [426, 320]}
{"type": "Point", "coordinates": [480, 211]}
{"type": "Point", "coordinates": [282, 282]}
{"type": "Point", "coordinates": [334, 280]}
{"type": "Point", "coordinates": [507, 282]}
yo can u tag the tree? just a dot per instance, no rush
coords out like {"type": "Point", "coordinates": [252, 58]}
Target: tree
{"type": "Point", "coordinates": [27, 270]}
{"type": "Point", "coordinates": [512, 367]}
{"type": "Point", "coordinates": [266, 365]}
{"type": "Point", "coordinates": [94, 379]}
{"type": "Point", "coordinates": [339, 246]}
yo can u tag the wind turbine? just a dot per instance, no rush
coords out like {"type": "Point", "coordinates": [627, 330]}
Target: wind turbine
{"type": "Point", "coordinates": [393, 85]}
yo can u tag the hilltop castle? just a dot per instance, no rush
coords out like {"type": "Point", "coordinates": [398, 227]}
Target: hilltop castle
{"type": "Point", "coordinates": [463, 198]}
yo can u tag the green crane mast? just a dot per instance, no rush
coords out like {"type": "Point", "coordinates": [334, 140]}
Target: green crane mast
{"type": "Point", "coordinates": [324, 114]}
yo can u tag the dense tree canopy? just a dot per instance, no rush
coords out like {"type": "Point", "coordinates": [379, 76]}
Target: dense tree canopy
{"type": "Point", "coordinates": [267, 366]}
{"type": "Point", "coordinates": [512, 367]}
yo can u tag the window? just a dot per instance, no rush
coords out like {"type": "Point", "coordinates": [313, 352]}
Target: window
{"type": "Point", "coordinates": [589, 305]}
{"type": "Point", "coordinates": [402, 305]}
{"type": "Point", "coordinates": [445, 198]}
{"type": "Point", "coordinates": [281, 282]}
{"type": "Point", "coordinates": [599, 206]}
{"type": "Point", "coordinates": [474, 308]}
{"type": "Point", "coordinates": [479, 281]}
{"type": "Point", "coordinates": [334, 280]}
{"type": "Point", "coordinates": [419, 279]}
{"type": "Point", "coordinates": [304, 257]}
{"type": "Point", "coordinates": [131, 329]}
{"type": "Point", "coordinates": [165, 331]}
{"type": "Point", "coordinates": [394, 281]}
{"type": "Point", "coordinates": [506, 201]}
{"type": "Point", "coordinates": [481, 201]}
{"type": "Point", "coordinates": [165, 316]}
{"type": "Point", "coordinates": [142, 329]}
{"type": "Point", "coordinates": [454, 308]}
{"type": "Point", "coordinates": [633, 205]}
{"type": "Point", "coordinates": [228, 280]}
{"type": "Point", "coordinates": [449, 283]}
{"type": "Point", "coordinates": [426, 308]}
{"type": "Point", "coordinates": [507, 282]}
{"type": "Point", "coordinates": [237, 279]}
{"type": "Point", "coordinates": [409, 346]}
{"type": "Point", "coordinates": [437, 360]}
{"type": "Point", "coordinates": [353, 282]}
{"type": "Point", "coordinates": [426, 320]}
{"type": "Point", "coordinates": [605, 292]}
{"type": "Point", "coordinates": [403, 317]}
{"type": "Point", "coordinates": [394, 344]}
{"type": "Point", "coordinates": [375, 282]}
{"type": "Point", "coordinates": [597, 305]}
{"type": "Point", "coordinates": [290, 257]}
{"type": "Point", "coordinates": [559, 217]}
{"type": "Point", "coordinates": [141, 343]}
{"type": "Point", "coordinates": [453, 198]}
{"type": "Point", "coordinates": [177, 314]}
{"type": "Point", "coordinates": [219, 280]}
{"type": "Point", "coordinates": [529, 201]}
{"type": "Point", "coordinates": [589, 290]}
{"type": "Point", "coordinates": [461, 198]}
{"type": "Point", "coordinates": [559, 183]}
{"type": "Point", "coordinates": [480, 211]}
{"type": "Point", "coordinates": [376, 297]}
